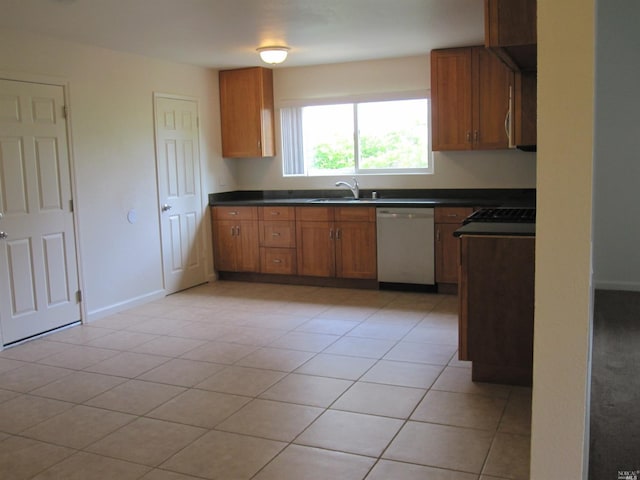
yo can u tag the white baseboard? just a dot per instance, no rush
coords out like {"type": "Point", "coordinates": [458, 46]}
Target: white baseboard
{"type": "Point", "coordinates": [119, 307]}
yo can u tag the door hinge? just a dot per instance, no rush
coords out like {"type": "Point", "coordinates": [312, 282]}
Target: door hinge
{"type": "Point", "coordinates": [79, 296]}
{"type": "Point", "coordinates": [198, 122]}
{"type": "Point", "coordinates": [71, 205]}
{"type": "Point", "coordinates": [65, 111]}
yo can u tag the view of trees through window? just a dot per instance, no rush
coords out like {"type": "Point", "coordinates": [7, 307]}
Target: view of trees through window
{"type": "Point", "coordinates": [365, 137]}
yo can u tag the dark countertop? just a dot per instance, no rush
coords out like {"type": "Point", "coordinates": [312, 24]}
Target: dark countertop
{"type": "Point", "coordinates": [396, 198]}
{"type": "Point", "coordinates": [497, 229]}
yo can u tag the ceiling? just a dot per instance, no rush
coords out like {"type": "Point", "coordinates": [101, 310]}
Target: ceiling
{"type": "Point", "coordinates": [226, 33]}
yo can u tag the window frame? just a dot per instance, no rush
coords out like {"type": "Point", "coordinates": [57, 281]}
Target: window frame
{"type": "Point", "coordinates": [292, 142]}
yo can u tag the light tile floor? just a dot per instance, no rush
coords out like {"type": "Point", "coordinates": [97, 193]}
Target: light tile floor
{"type": "Point", "coordinates": [252, 381]}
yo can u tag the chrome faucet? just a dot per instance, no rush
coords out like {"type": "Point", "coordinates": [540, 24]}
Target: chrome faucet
{"type": "Point", "coordinates": [355, 188]}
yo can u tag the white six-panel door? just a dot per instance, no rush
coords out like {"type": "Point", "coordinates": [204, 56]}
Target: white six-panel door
{"type": "Point", "coordinates": [38, 265]}
{"type": "Point", "coordinates": [178, 166]}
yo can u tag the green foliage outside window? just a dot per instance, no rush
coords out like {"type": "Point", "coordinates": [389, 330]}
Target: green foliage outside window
{"type": "Point", "coordinates": [394, 150]}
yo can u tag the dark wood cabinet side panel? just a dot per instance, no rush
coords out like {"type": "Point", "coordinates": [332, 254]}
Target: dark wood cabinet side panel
{"type": "Point", "coordinates": [525, 108]}
{"type": "Point", "coordinates": [499, 294]}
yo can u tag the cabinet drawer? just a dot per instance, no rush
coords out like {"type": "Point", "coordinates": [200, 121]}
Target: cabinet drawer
{"type": "Point", "coordinates": [278, 234]}
{"type": "Point", "coordinates": [314, 214]}
{"type": "Point", "coordinates": [276, 213]}
{"type": "Point", "coordinates": [355, 214]}
{"type": "Point", "coordinates": [235, 213]}
{"type": "Point", "coordinates": [452, 214]}
{"type": "Point", "coordinates": [278, 260]}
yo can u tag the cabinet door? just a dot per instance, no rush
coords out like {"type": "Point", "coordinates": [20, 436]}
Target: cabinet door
{"type": "Point", "coordinates": [246, 109]}
{"type": "Point", "coordinates": [315, 248]}
{"type": "Point", "coordinates": [247, 247]}
{"type": "Point", "coordinates": [447, 253]}
{"type": "Point", "coordinates": [510, 22]}
{"type": "Point", "coordinates": [491, 83]}
{"type": "Point", "coordinates": [451, 99]}
{"type": "Point", "coordinates": [224, 245]}
{"type": "Point", "coordinates": [356, 255]}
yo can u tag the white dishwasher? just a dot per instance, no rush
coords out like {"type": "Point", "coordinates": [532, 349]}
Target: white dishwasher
{"type": "Point", "coordinates": [405, 245]}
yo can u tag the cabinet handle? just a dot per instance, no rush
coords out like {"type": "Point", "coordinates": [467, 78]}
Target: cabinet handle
{"type": "Point", "coordinates": [233, 231]}
{"type": "Point", "coordinates": [234, 212]}
{"type": "Point", "coordinates": [275, 212]}
{"type": "Point", "coordinates": [452, 214]}
{"type": "Point", "coordinates": [339, 234]}
{"type": "Point", "coordinates": [476, 136]}
{"type": "Point", "coordinates": [277, 260]}
{"type": "Point", "coordinates": [275, 234]}
{"type": "Point", "coordinates": [331, 234]}
{"type": "Point", "coordinates": [237, 231]}
{"type": "Point", "coordinates": [469, 136]}
{"type": "Point", "coordinates": [507, 120]}
{"type": "Point", "coordinates": [438, 235]}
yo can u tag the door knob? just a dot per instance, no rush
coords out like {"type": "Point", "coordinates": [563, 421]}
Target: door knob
{"type": "Point", "coordinates": [166, 207]}
{"type": "Point", "coordinates": [3, 235]}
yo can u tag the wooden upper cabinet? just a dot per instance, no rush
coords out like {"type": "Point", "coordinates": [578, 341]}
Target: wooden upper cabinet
{"type": "Point", "coordinates": [247, 113]}
{"type": "Point", "coordinates": [491, 85]}
{"type": "Point", "coordinates": [451, 99]}
{"type": "Point", "coordinates": [510, 32]}
{"type": "Point", "coordinates": [510, 22]}
{"type": "Point", "coordinates": [469, 99]}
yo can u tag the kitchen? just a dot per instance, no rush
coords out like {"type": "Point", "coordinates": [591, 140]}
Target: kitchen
{"type": "Point", "coordinates": [131, 273]}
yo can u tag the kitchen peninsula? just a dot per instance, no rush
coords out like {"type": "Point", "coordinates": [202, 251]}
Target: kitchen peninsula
{"type": "Point", "coordinates": [496, 296]}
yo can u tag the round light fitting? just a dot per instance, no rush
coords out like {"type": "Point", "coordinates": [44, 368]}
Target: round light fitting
{"type": "Point", "coordinates": [273, 55]}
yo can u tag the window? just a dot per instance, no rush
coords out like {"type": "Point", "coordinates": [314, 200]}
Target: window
{"type": "Point", "coordinates": [356, 138]}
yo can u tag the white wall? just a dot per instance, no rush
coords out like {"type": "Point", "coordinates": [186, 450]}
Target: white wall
{"type": "Point", "coordinates": [617, 146]}
{"type": "Point", "coordinates": [487, 169]}
{"type": "Point", "coordinates": [113, 149]}
{"type": "Point", "coordinates": [563, 239]}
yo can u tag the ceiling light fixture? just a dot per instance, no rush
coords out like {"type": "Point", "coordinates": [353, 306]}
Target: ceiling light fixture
{"type": "Point", "coordinates": [273, 55]}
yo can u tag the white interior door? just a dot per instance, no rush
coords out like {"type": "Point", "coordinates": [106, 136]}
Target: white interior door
{"type": "Point", "coordinates": [178, 166]}
{"type": "Point", "coordinates": [38, 263]}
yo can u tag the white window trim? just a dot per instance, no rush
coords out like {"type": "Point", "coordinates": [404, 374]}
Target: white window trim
{"type": "Point", "coordinates": [293, 145]}
{"type": "Point", "coordinates": [359, 98]}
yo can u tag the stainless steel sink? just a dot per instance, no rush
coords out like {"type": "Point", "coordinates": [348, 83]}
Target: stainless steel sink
{"type": "Point", "coordinates": [341, 200]}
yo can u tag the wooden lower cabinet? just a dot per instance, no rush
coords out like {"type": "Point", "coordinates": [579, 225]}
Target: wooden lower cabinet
{"type": "Point", "coordinates": [496, 308]}
{"type": "Point", "coordinates": [277, 240]}
{"type": "Point", "coordinates": [235, 245]}
{"type": "Point", "coordinates": [280, 261]}
{"type": "Point", "coordinates": [316, 248]}
{"type": "Point", "coordinates": [356, 253]}
{"type": "Point", "coordinates": [447, 255]}
{"type": "Point", "coordinates": [328, 246]}
{"type": "Point", "coordinates": [327, 242]}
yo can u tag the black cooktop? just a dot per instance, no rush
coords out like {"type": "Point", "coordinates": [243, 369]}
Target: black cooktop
{"type": "Point", "coordinates": [503, 215]}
